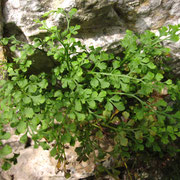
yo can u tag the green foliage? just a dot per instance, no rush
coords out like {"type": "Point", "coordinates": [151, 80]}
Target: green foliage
{"type": "Point", "coordinates": [92, 96]}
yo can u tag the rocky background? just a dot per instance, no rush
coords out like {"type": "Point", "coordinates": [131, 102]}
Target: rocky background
{"type": "Point", "coordinates": [103, 23]}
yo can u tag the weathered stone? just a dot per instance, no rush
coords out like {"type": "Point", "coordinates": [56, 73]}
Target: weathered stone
{"type": "Point", "coordinates": [91, 14]}
{"type": "Point", "coordinates": [1, 21]}
{"type": "Point", "coordinates": [100, 20]}
{"type": "Point", "coordinates": [166, 4]}
{"type": "Point", "coordinates": [25, 14]}
{"type": "Point", "coordinates": [36, 164]}
{"type": "Point", "coordinates": [1, 48]}
{"type": "Point", "coordinates": [175, 9]}
{"type": "Point", "coordinates": [1, 27]}
{"type": "Point", "coordinates": [155, 4]}
{"type": "Point", "coordinates": [15, 4]}
{"type": "Point", "coordinates": [144, 23]}
{"type": "Point", "coordinates": [144, 8]}
{"type": "Point", "coordinates": [1, 60]}
{"type": "Point", "coordinates": [159, 17]}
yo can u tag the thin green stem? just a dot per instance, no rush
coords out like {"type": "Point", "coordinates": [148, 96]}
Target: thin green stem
{"type": "Point", "coordinates": [67, 58]}
{"type": "Point", "coordinates": [68, 22]}
{"type": "Point", "coordinates": [126, 94]}
{"type": "Point", "coordinates": [96, 114]}
{"type": "Point", "coordinates": [160, 40]}
{"type": "Point", "coordinates": [110, 127]}
{"type": "Point", "coordinates": [142, 102]}
{"type": "Point", "coordinates": [118, 75]}
{"type": "Point", "coordinates": [95, 125]}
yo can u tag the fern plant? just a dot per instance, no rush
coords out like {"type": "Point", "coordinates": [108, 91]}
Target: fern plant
{"type": "Point", "coordinates": [91, 96]}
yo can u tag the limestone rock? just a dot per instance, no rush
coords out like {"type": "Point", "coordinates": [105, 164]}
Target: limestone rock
{"type": "Point", "coordinates": [103, 22]}
{"type": "Point", "coordinates": [1, 35]}
{"type": "Point", "coordinates": [1, 59]}
{"type": "Point", "coordinates": [36, 164]}
{"type": "Point", "coordinates": [1, 21]}
{"type": "Point", "coordinates": [97, 18]}
{"type": "Point", "coordinates": [155, 4]}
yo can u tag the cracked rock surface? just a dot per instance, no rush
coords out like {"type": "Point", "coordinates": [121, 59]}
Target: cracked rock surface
{"type": "Point", "coordinates": [103, 22]}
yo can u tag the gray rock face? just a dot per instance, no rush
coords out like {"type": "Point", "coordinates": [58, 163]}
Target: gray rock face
{"type": "Point", "coordinates": [155, 4]}
{"type": "Point", "coordinates": [36, 164]}
{"type": "Point", "coordinates": [97, 18]}
{"type": "Point", "coordinates": [103, 22]}
{"type": "Point", "coordinates": [1, 35]}
{"type": "Point", "coordinates": [1, 21]}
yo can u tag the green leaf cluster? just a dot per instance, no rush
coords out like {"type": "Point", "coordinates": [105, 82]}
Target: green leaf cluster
{"type": "Point", "coordinates": [91, 95]}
